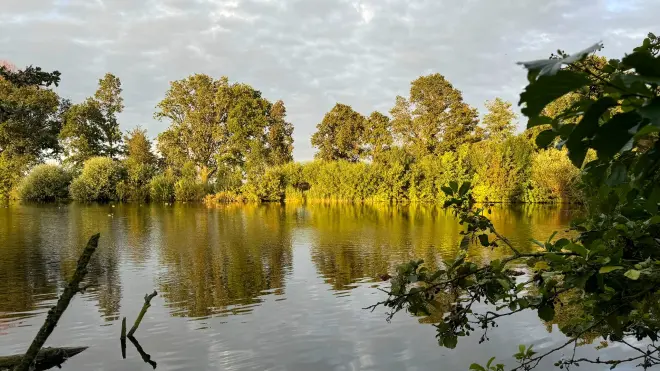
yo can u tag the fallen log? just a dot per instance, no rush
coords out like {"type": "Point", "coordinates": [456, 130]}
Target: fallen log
{"type": "Point", "coordinates": [46, 358]}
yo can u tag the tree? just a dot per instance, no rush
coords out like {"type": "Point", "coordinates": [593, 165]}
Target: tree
{"type": "Point", "coordinates": [30, 119]}
{"type": "Point", "coordinates": [434, 119]}
{"type": "Point", "coordinates": [339, 135]}
{"type": "Point", "coordinates": [610, 265]}
{"type": "Point", "coordinates": [110, 103]}
{"type": "Point", "coordinates": [216, 125]}
{"type": "Point", "coordinates": [500, 121]}
{"type": "Point", "coordinates": [377, 135]}
{"type": "Point", "coordinates": [137, 146]}
{"type": "Point", "coordinates": [91, 127]}
{"type": "Point", "coordinates": [280, 140]}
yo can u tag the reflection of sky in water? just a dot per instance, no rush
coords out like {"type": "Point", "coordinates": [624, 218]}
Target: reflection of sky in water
{"type": "Point", "coordinates": [248, 288]}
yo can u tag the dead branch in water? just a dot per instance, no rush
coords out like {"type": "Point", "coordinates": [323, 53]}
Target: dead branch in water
{"type": "Point", "coordinates": [56, 312]}
{"type": "Point", "coordinates": [46, 358]}
{"type": "Point", "coordinates": [147, 304]}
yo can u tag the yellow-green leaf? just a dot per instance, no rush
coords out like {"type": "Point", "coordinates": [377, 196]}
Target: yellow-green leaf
{"type": "Point", "coordinates": [633, 274]}
{"type": "Point", "coordinates": [609, 268]}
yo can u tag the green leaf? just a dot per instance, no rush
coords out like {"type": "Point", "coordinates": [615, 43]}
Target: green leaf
{"type": "Point", "coordinates": [538, 121]}
{"type": "Point", "coordinates": [588, 126]}
{"type": "Point", "coordinates": [651, 111]}
{"type": "Point", "coordinates": [643, 62]}
{"type": "Point", "coordinates": [615, 133]}
{"type": "Point", "coordinates": [454, 186]}
{"type": "Point", "coordinates": [633, 274]}
{"type": "Point", "coordinates": [546, 312]}
{"type": "Point", "coordinates": [465, 242]}
{"type": "Point", "coordinates": [483, 238]}
{"type": "Point", "coordinates": [609, 268]}
{"type": "Point", "coordinates": [477, 367]}
{"type": "Point", "coordinates": [578, 249]}
{"type": "Point", "coordinates": [548, 88]}
{"type": "Point", "coordinates": [490, 361]}
{"type": "Point", "coordinates": [544, 138]}
{"type": "Point", "coordinates": [504, 283]}
{"type": "Point", "coordinates": [617, 175]}
{"type": "Point", "coordinates": [465, 187]}
{"type": "Point", "coordinates": [561, 243]}
{"type": "Point", "coordinates": [450, 341]}
{"type": "Point", "coordinates": [646, 130]}
{"type": "Point", "coordinates": [448, 191]}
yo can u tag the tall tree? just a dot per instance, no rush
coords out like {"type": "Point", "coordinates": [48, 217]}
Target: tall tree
{"type": "Point", "coordinates": [218, 125]}
{"type": "Point", "coordinates": [280, 135]}
{"type": "Point", "coordinates": [91, 128]}
{"type": "Point", "coordinates": [138, 146]}
{"type": "Point", "coordinates": [377, 135]}
{"type": "Point", "coordinates": [110, 103]}
{"type": "Point", "coordinates": [30, 119]}
{"type": "Point", "coordinates": [339, 135]}
{"type": "Point", "coordinates": [434, 119]}
{"type": "Point", "coordinates": [500, 121]}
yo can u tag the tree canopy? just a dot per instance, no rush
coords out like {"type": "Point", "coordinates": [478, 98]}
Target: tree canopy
{"type": "Point", "coordinates": [339, 136]}
{"type": "Point", "coordinates": [434, 119]}
{"type": "Point", "coordinates": [216, 124]}
{"type": "Point", "coordinates": [91, 128]}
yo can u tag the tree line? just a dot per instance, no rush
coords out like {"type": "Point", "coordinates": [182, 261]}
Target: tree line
{"type": "Point", "coordinates": [227, 142]}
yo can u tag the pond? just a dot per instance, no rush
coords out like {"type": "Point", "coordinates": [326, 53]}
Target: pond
{"type": "Point", "coordinates": [248, 287]}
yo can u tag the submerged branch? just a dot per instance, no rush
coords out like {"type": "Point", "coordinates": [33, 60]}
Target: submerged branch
{"type": "Point", "coordinates": [147, 304]}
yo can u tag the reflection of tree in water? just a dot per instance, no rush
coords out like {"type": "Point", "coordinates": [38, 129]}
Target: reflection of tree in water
{"type": "Point", "coordinates": [24, 278]}
{"type": "Point", "coordinates": [354, 242]}
{"type": "Point", "coordinates": [223, 257]}
{"type": "Point", "coordinates": [39, 248]}
{"type": "Point", "coordinates": [570, 318]}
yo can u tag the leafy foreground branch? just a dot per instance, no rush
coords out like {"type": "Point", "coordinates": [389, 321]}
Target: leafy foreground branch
{"type": "Point", "coordinates": [610, 267]}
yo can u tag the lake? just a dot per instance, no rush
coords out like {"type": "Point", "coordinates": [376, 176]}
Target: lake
{"type": "Point", "coordinates": [249, 287]}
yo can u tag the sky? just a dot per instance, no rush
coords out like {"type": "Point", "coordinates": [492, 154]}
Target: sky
{"type": "Point", "coordinates": [309, 53]}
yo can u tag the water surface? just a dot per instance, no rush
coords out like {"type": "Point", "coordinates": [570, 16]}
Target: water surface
{"type": "Point", "coordinates": [267, 287]}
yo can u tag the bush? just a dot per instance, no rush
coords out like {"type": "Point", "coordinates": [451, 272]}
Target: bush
{"type": "Point", "coordinates": [268, 187]}
{"type": "Point", "coordinates": [224, 197]}
{"type": "Point", "coordinates": [188, 189]}
{"type": "Point", "coordinates": [553, 178]}
{"type": "Point", "coordinates": [97, 181]}
{"type": "Point", "coordinates": [136, 186]}
{"type": "Point", "coordinates": [161, 187]}
{"type": "Point", "coordinates": [45, 183]}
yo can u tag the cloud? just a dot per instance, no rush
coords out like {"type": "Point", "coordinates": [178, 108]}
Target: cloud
{"type": "Point", "coordinates": [311, 54]}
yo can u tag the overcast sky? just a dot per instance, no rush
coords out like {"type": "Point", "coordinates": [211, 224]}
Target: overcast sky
{"type": "Point", "coordinates": [309, 53]}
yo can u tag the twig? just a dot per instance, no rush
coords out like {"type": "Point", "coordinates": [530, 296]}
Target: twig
{"type": "Point", "coordinates": [147, 304]}
{"type": "Point", "coordinates": [56, 312]}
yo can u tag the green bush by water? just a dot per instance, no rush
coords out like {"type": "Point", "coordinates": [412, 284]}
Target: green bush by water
{"type": "Point", "coordinates": [45, 183]}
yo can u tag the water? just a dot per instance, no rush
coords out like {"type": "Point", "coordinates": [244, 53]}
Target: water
{"type": "Point", "coordinates": [250, 287]}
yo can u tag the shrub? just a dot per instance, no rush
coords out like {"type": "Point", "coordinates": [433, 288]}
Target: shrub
{"type": "Point", "coordinates": [553, 178]}
{"type": "Point", "coordinates": [187, 189]}
{"type": "Point", "coordinates": [223, 197]}
{"type": "Point", "coordinates": [136, 186]}
{"type": "Point", "coordinates": [161, 187]}
{"type": "Point", "coordinates": [97, 181]}
{"type": "Point", "coordinates": [45, 183]}
{"type": "Point", "coordinates": [268, 187]}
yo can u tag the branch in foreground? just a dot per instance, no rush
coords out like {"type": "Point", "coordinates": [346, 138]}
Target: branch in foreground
{"type": "Point", "coordinates": [56, 312]}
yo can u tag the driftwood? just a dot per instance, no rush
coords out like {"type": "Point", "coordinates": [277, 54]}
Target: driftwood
{"type": "Point", "coordinates": [46, 358]}
{"type": "Point", "coordinates": [56, 312]}
{"type": "Point", "coordinates": [147, 304]}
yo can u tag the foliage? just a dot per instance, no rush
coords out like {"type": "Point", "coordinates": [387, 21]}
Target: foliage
{"type": "Point", "coordinates": [610, 265]}
{"type": "Point", "coordinates": [187, 189]}
{"type": "Point", "coordinates": [553, 178]}
{"type": "Point", "coordinates": [434, 119]}
{"type": "Point", "coordinates": [45, 182]}
{"type": "Point", "coordinates": [30, 120]}
{"type": "Point", "coordinates": [377, 136]}
{"type": "Point", "coordinates": [91, 127]}
{"type": "Point", "coordinates": [214, 123]}
{"type": "Point", "coordinates": [98, 180]}
{"type": "Point", "coordinates": [499, 123]}
{"type": "Point", "coordinates": [339, 135]}
{"type": "Point", "coordinates": [137, 146]}
{"type": "Point", "coordinates": [140, 165]}
{"type": "Point", "coordinates": [224, 197]}
{"type": "Point", "coordinates": [161, 187]}
{"type": "Point", "coordinates": [268, 187]}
